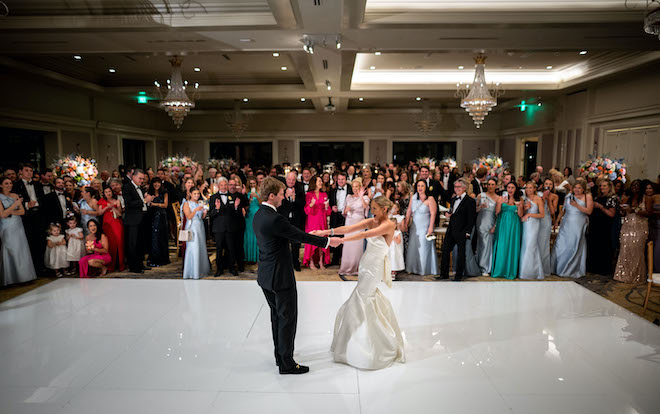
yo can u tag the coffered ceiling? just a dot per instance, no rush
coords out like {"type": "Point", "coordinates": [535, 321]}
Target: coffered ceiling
{"type": "Point", "coordinates": [424, 48]}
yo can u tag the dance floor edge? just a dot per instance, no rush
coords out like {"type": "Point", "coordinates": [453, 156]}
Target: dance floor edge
{"type": "Point", "coordinates": [172, 346]}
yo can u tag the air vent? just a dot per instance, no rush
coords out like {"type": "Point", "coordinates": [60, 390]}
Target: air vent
{"type": "Point", "coordinates": [325, 64]}
{"type": "Point", "coordinates": [224, 55]}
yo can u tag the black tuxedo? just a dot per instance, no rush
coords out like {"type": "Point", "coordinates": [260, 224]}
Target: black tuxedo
{"type": "Point", "coordinates": [434, 188]}
{"type": "Point", "coordinates": [239, 240]}
{"type": "Point", "coordinates": [276, 278]}
{"type": "Point", "coordinates": [337, 220]}
{"type": "Point", "coordinates": [227, 224]}
{"type": "Point", "coordinates": [34, 222]}
{"type": "Point", "coordinates": [461, 224]}
{"type": "Point", "coordinates": [294, 212]}
{"type": "Point", "coordinates": [447, 194]}
{"type": "Point", "coordinates": [52, 209]}
{"type": "Point", "coordinates": [134, 216]}
{"type": "Point", "coordinates": [475, 187]}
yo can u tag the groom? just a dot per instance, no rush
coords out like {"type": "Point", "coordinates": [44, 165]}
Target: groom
{"type": "Point", "coordinates": [275, 272]}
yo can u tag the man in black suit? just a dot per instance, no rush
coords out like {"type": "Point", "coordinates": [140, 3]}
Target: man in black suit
{"type": "Point", "coordinates": [447, 184]}
{"type": "Point", "coordinates": [461, 222]}
{"type": "Point", "coordinates": [433, 186]}
{"type": "Point", "coordinates": [275, 272]}
{"type": "Point", "coordinates": [337, 199]}
{"type": "Point", "coordinates": [306, 175]}
{"type": "Point", "coordinates": [135, 211]}
{"type": "Point", "coordinates": [293, 209]}
{"type": "Point", "coordinates": [33, 220]}
{"type": "Point", "coordinates": [56, 205]}
{"type": "Point", "coordinates": [479, 183]}
{"type": "Point", "coordinates": [225, 216]}
{"type": "Point", "coordinates": [238, 242]}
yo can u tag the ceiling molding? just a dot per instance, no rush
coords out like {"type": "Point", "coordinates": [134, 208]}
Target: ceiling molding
{"type": "Point", "coordinates": [45, 73]}
{"type": "Point", "coordinates": [284, 13]}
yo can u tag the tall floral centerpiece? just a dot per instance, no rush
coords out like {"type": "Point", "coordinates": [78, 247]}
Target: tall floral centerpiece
{"type": "Point", "coordinates": [82, 170]}
{"type": "Point", "coordinates": [178, 163]}
{"type": "Point", "coordinates": [449, 161]}
{"type": "Point", "coordinates": [604, 166]}
{"type": "Point", "coordinates": [428, 161]}
{"type": "Point", "coordinates": [221, 164]}
{"type": "Point", "coordinates": [492, 163]}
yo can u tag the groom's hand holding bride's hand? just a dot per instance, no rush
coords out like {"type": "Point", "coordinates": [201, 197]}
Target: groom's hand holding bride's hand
{"type": "Point", "coordinates": [335, 241]}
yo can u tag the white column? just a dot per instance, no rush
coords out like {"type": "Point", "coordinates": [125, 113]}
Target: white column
{"type": "Point", "coordinates": [365, 152]}
{"type": "Point", "coordinates": [276, 155]}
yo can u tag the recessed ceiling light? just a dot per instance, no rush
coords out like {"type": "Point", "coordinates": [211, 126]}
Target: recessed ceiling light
{"type": "Point", "coordinates": [276, 54]}
{"type": "Point", "coordinates": [583, 52]}
{"type": "Point", "coordinates": [418, 99]}
{"type": "Point", "coordinates": [461, 67]}
{"type": "Point", "coordinates": [548, 67]}
{"type": "Point", "coordinates": [377, 53]}
{"type": "Point", "coordinates": [112, 70]}
{"type": "Point", "coordinates": [302, 99]}
{"type": "Point", "coordinates": [77, 57]}
{"type": "Point", "coordinates": [360, 99]}
{"type": "Point", "coordinates": [197, 69]}
{"type": "Point", "coordinates": [283, 68]}
{"type": "Point", "coordinates": [245, 99]}
{"type": "Point", "coordinates": [372, 67]}
{"type": "Point", "coordinates": [246, 40]}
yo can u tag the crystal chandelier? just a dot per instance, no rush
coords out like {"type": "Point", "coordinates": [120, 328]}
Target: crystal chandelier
{"type": "Point", "coordinates": [426, 120]}
{"type": "Point", "coordinates": [478, 100]}
{"type": "Point", "coordinates": [652, 19]}
{"type": "Point", "coordinates": [236, 120]}
{"type": "Point", "coordinates": [176, 103]}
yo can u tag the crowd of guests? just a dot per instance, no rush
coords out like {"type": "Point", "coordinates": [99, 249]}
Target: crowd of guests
{"type": "Point", "coordinates": [491, 225]}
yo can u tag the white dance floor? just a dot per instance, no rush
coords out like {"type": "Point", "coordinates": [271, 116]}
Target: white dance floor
{"type": "Point", "coordinates": [173, 346]}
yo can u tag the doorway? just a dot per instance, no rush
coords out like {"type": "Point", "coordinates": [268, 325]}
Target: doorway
{"type": "Point", "coordinates": [135, 153]}
{"type": "Point", "coordinates": [530, 154]}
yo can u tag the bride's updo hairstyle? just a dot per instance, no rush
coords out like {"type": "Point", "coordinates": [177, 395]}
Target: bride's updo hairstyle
{"type": "Point", "coordinates": [385, 203]}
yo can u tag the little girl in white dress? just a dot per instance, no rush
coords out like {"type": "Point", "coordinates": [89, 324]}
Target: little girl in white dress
{"type": "Point", "coordinates": [55, 256]}
{"type": "Point", "coordinates": [76, 247]}
{"type": "Point", "coordinates": [396, 248]}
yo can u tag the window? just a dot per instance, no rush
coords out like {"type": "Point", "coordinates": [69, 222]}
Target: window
{"type": "Point", "coordinates": [405, 151]}
{"type": "Point", "coordinates": [326, 152]}
{"type": "Point", "coordinates": [22, 145]}
{"type": "Point", "coordinates": [258, 154]}
{"type": "Point", "coordinates": [135, 153]}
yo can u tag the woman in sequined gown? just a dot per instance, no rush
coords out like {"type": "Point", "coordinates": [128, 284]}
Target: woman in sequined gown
{"type": "Point", "coordinates": [159, 253]}
{"type": "Point", "coordinates": [635, 208]}
{"type": "Point", "coordinates": [656, 231]}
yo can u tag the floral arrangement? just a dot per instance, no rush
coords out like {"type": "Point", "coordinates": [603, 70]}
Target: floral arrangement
{"type": "Point", "coordinates": [221, 164]}
{"type": "Point", "coordinates": [451, 162]}
{"type": "Point", "coordinates": [428, 161]}
{"type": "Point", "coordinates": [491, 162]}
{"type": "Point", "coordinates": [609, 167]}
{"type": "Point", "coordinates": [82, 170]}
{"type": "Point", "coordinates": [178, 163]}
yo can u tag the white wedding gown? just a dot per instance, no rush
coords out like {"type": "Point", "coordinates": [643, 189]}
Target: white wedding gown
{"type": "Point", "coordinates": [367, 335]}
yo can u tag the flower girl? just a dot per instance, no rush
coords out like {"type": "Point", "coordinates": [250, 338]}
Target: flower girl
{"type": "Point", "coordinates": [396, 248]}
{"type": "Point", "coordinates": [55, 256]}
{"type": "Point", "coordinates": [76, 247]}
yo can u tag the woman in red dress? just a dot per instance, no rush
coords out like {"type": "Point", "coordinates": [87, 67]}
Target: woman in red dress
{"type": "Point", "coordinates": [113, 228]}
{"type": "Point", "coordinates": [317, 208]}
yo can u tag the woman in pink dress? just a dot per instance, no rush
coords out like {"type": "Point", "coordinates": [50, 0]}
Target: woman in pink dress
{"type": "Point", "coordinates": [317, 208]}
{"type": "Point", "coordinates": [97, 247]}
{"type": "Point", "coordinates": [356, 210]}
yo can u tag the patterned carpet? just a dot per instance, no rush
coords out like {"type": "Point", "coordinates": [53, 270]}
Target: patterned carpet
{"type": "Point", "coordinates": [628, 296]}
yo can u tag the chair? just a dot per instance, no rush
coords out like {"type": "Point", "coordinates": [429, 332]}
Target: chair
{"type": "Point", "coordinates": [653, 281]}
{"type": "Point", "coordinates": [177, 216]}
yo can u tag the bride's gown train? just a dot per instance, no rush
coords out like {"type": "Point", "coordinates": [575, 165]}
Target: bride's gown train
{"type": "Point", "coordinates": [367, 334]}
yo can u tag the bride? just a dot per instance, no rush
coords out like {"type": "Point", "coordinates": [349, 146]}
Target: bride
{"type": "Point", "coordinates": [367, 334]}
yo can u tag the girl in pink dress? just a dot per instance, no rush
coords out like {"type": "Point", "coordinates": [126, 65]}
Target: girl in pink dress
{"type": "Point", "coordinates": [97, 246]}
{"type": "Point", "coordinates": [356, 210]}
{"type": "Point", "coordinates": [317, 208]}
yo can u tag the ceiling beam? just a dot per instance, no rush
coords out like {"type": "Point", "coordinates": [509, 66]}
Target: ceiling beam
{"type": "Point", "coordinates": [284, 13]}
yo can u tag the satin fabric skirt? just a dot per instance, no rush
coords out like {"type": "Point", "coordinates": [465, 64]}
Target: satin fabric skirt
{"type": "Point", "coordinates": [531, 263]}
{"type": "Point", "coordinates": [196, 262]}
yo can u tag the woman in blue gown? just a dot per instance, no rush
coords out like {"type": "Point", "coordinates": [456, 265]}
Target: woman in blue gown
{"type": "Point", "coordinates": [196, 262]}
{"type": "Point", "coordinates": [550, 200]}
{"type": "Point", "coordinates": [486, 203]}
{"type": "Point", "coordinates": [16, 260]}
{"type": "Point", "coordinates": [506, 247]}
{"type": "Point", "coordinates": [421, 258]}
{"type": "Point", "coordinates": [569, 256]}
{"type": "Point", "coordinates": [531, 263]}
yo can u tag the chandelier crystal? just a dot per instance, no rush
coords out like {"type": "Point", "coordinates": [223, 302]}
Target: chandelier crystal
{"type": "Point", "coordinates": [427, 120]}
{"type": "Point", "coordinates": [652, 19]}
{"type": "Point", "coordinates": [477, 99]}
{"type": "Point", "coordinates": [237, 121]}
{"type": "Point", "coordinates": [176, 103]}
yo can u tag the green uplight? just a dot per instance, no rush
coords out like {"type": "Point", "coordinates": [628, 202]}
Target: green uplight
{"type": "Point", "coordinates": [142, 99]}
{"type": "Point", "coordinates": [523, 107]}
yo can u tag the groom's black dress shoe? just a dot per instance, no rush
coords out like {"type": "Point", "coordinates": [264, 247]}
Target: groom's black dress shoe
{"type": "Point", "coordinates": [458, 278]}
{"type": "Point", "coordinates": [297, 369]}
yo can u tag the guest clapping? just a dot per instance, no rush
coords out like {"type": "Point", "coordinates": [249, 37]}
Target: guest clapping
{"type": "Point", "coordinates": [486, 203]}
{"type": "Point", "coordinates": [317, 208]}
{"type": "Point", "coordinates": [601, 243]}
{"type": "Point", "coordinates": [550, 201]}
{"type": "Point", "coordinates": [159, 252]}
{"type": "Point", "coordinates": [531, 263]}
{"type": "Point", "coordinates": [506, 247]}
{"type": "Point", "coordinates": [635, 208]}
{"type": "Point", "coordinates": [196, 263]}
{"type": "Point", "coordinates": [357, 206]}
{"type": "Point", "coordinates": [461, 217]}
{"type": "Point", "coordinates": [421, 257]}
{"type": "Point", "coordinates": [569, 256]}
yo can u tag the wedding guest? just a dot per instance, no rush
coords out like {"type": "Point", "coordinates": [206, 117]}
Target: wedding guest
{"type": "Point", "coordinates": [619, 188]}
{"type": "Point", "coordinates": [97, 185]}
{"type": "Point", "coordinates": [17, 266]}
{"type": "Point", "coordinates": [568, 172]}
{"type": "Point", "coordinates": [55, 256]}
{"type": "Point", "coordinates": [357, 206]}
{"type": "Point", "coordinates": [508, 229]}
{"type": "Point", "coordinates": [479, 182]}
{"type": "Point", "coordinates": [461, 217]}
{"type": "Point", "coordinates": [33, 220]}
{"type": "Point", "coordinates": [113, 228]}
{"type": "Point", "coordinates": [569, 256]}
{"type": "Point", "coordinates": [159, 251]}
{"type": "Point", "coordinates": [327, 185]}
{"type": "Point", "coordinates": [486, 203]}
{"type": "Point", "coordinates": [251, 249]}
{"type": "Point", "coordinates": [197, 263]}
{"type": "Point", "coordinates": [89, 206]}
{"type": "Point", "coordinates": [47, 180]}
{"type": "Point", "coordinates": [337, 197]}
{"type": "Point", "coordinates": [636, 207]}
{"type": "Point", "coordinates": [96, 244]}
{"type": "Point", "coordinates": [56, 204]}
{"type": "Point", "coordinates": [531, 262]}
{"type": "Point", "coordinates": [655, 224]}
{"type": "Point", "coordinates": [293, 208]}
{"type": "Point", "coordinates": [434, 187]}
{"type": "Point", "coordinates": [405, 177]}
{"type": "Point", "coordinates": [317, 209]}
{"type": "Point", "coordinates": [306, 176]}
{"type": "Point", "coordinates": [521, 181]}
{"type": "Point", "coordinates": [11, 174]}
{"type": "Point", "coordinates": [212, 181]}
{"type": "Point", "coordinates": [550, 203]}
{"type": "Point", "coordinates": [402, 196]}
{"type": "Point", "coordinates": [134, 214]}
{"type": "Point", "coordinates": [447, 179]}
{"type": "Point", "coordinates": [395, 254]}
{"type": "Point", "coordinates": [350, 173]}
{"type": "Point", "coordinates": [116, 186]}
{"type": "Point", "coordinates": [421, 257]}
{"type": "Point", "coordinates": [225, 225]}
{"type": "Point", "coordinates": [601, 245]}
{"type": "Point", "coordinates": [235, 189]}
{"type": "Point", "coordinates": [203, 188]}
{"type": "Point", "coordinates": [75, 248]}
{"type": "Point", "coordinates": [367, 181]}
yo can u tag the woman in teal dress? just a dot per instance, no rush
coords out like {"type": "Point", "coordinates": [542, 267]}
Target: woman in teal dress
{"type": "Point", "coordinates": [506, 249]}
{"type": "Point", "coordinates": [250, 247]}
